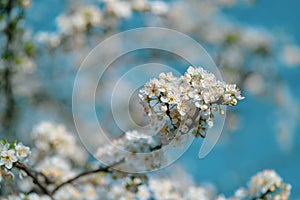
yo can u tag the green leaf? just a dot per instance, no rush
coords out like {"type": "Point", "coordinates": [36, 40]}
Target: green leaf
{"type": "Point", "coordinates": [13, 144]}
{"type": "Point", "coordinates": [262, 49]}
{"type": "Point", "coordinates": [8, 55]}
{"type": "Point", "coordinates": [18, 60]}
{"type": "Point", "coordinates": [231, 38]}
{"type": "Point", "coordinates": [29, 48]}
{"type": "Point", "coordinates": [2, 16]}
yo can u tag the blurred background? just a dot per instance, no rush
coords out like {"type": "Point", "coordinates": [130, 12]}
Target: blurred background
{"type": "Point", "coordinates": [254, 43]}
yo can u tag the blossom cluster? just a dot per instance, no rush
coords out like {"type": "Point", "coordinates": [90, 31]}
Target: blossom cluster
{"type": "Point", "coordinates": [189, 100]}
{"type": "Point", "coordinates": [84, 18]}
{"type": "Point", "coordinates": [54, 139]}
{"type": "Point", "coordinates": [268, 183]}
{"type": "Point", "coordinates": [69, 24]}
{"type": "Point", "coordinates": [57, 156]}
{"type": "Point", "coordinates": [291, 55]}
{"type": "Point", "coordinates": [60, 170]}
{"type": "Point", "coordinates": [117, 185]}
{"type": "Point", "coordinates": [265, 185]}
{"type": "Point", "coordinates": [248, 56]}
{"type": "Point", "coordinates": [50, 158]}
{"type": "Point", "coordinates": [11, 153]}
{"type": "Point", "coordinates": [184, 105]}
{"type": "Point", "coordinates": [124, 9]}
{"type": "Point", "coordinates": [79, 20]}
{"type": "Point", "coordinates": [126, 148]}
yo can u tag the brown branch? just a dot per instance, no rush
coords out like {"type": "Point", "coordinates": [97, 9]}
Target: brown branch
{"type": "Point", "coordinates": [100, 169]}
{"type": "Point", "coordinates": [168, 112]}
{"type": "Point", "coordinates": [35, 179]}
{"type": "Point", "coordinates": [262, 196]}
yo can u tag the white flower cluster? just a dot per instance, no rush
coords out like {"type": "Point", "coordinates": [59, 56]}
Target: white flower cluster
{"type": "Point", "coordinates": [60, 170]}
{"type": "Point", "coordinates": [79, 20]}
{"type": "Point", "coordinates": [56, 155]}
{"type": "Point", "coordinates": [265, 185]}
{"type": "Point", "coordinates": [118, 186]}
{"type": "Point", "coordinates": [169, 189]}
{"type": "Point", "coordinates": [31, 196]}
{"type": "Point", "coordinates": [188, 100]}
{"type": "Point", "coordinates": [291, 55]}
{"type": "Point", "coordinates": [52, 40]}
{"type": "Point", "coordinates": [83, 18]}
{"type": "Point", "coordinates": [247, 54]}
{"type": "Point", "coordinates": [52, 139]}
{"type": "Point", "coordinates": [127, 147]}
{"type": "Point", "coordinates": [266, 182]}
{"type": "Point", "coordinates": [11, 153]}
{"type": "Point", "coordinates": [124, 9]}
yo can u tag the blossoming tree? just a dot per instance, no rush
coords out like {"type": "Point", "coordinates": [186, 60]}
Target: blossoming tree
{"type": "Point", "coordinates": [188, 102]}
{"type": "Point", "coordinates": [55, 166]}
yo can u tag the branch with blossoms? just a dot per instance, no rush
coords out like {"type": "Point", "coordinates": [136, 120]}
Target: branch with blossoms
{"type": "Point", "coordinates": [20, 47]}
{"type": "Point", "coordinates": [86, 173]}
{"type": "Point", "coordinates": [196, 92]}
{"type": "Point", "coordinates": [265, 185]}
{"type": "Point", "coordinates": [82, 20]}
{"type": "Point", "coordinates": [34, 175]}
{"type": "Point", "coordinates": [187, 106]}
{"type": "Point", "coordinates": [15, 155]}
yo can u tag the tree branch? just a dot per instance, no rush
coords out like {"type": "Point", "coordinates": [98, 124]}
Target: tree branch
{"type": "Point", "coordinates": [100, 169]}
{"type": "Point", "coordinates": [262, 196]}
{"type": "Point", "coordinates": [35, 179]}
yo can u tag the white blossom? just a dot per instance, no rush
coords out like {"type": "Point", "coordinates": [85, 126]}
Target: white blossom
{"type": "Point", "coordinates": [140, 5]}
{"type": "Point", "coordinates": [8, 157]}
{"type": "Point", "coordinates": [159, 7]}
{"type": "Point", "coordinates": [56, 168]}
{"type": "Point", "coordinates": [68, 192]}
{"type": "Point", "coordinates": [22, 152]}
{"type": "Point", "coordinates": [121, 9]}
{"type": "Point", "coordinates": [79, 20]}
{"type": "Point", "coordinates": [195, 193]}
{"type": "Point", "coordinates": [263, 182]}
{"type": "Point", "coordinates": [291, 55]}
{"type": "Point", "coordinates": [55, 138]}
{"type": "Point", "coordinates": [50, 39]}
{"type": "Point", "coordinates": [143, 193]}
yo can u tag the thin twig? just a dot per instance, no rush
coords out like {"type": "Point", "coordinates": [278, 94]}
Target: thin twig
{"type": "Point", "coordinates": [169, 115]}
{"type": "Point", "coordinates": [100, 169]}
{"type": "Point", "coordinates": [262, 196]}
{"type": "Point", "coordinates": [35, 179]}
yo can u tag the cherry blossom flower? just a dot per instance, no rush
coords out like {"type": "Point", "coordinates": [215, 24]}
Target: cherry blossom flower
{"type": "Point", "coordinates": [22, 151]}
{"type": "Point", "coordinates": [8, 157]}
